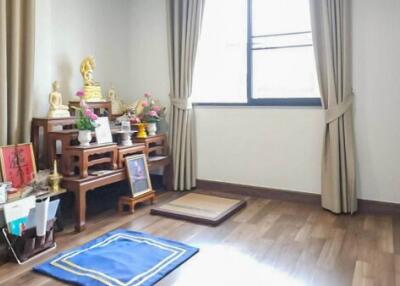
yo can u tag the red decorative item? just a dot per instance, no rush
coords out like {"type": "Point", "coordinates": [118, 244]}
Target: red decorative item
{"type": "Point", "coordinates": [18, 164]}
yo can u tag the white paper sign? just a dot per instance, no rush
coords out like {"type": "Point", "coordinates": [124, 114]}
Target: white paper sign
{"type": "Point", "coordinates": [103, 131]}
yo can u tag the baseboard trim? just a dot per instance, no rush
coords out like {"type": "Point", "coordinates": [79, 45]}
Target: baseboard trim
{"type": "Point", "coordinates": [364, 206]}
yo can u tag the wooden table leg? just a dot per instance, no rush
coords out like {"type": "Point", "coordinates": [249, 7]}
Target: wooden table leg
{"type": "Point", "coordinates": [168, 177]}
{"type": "Point", "coordinates": [114, 158]}
{"type": "Point", "coordinates": [46, 150]}
{"type": "Point", "coordinates": [83, 167]}
{"type": "Point", "coordinates": [80, 210]}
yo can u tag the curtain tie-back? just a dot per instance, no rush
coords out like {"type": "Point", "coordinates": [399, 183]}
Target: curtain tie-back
{"type": "Point", "coordinates": [334, 113]}
{"type": "Point", "coordinates": [181, 103]}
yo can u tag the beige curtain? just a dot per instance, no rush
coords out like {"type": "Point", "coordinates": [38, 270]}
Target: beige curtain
{"type": "Point", "coordinates": [17, 26]}
{"type": "Point", "coordinates": [331, 26]}
{"type": "Point", "coordinates": [184, 21]}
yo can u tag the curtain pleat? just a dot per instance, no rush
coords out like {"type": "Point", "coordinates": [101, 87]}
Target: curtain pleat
{"type": "Point", "coordinates": [17, 40]}
{"type": "Point", "coordinates": [331, 27]}
{"type": "Point", "coordinates": [184, 21]}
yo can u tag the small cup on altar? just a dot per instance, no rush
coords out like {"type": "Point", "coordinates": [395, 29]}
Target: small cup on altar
{"type": "Point", "coordinates": [125, 126]}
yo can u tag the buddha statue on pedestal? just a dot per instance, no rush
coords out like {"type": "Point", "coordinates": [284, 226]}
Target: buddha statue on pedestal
{"type": "Point", "coordinates": [116, 103]}
{"type": "Point", "coordinates": [57, 109]}
{"type": "Point", "coordinates": [91, 88]}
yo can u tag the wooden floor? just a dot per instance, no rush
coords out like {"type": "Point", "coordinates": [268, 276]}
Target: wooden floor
{"type": "Point", "coordinates": [269, 242]}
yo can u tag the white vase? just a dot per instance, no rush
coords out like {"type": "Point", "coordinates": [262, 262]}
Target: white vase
{"type": "Point", "coordinates": [151, 128]}
{"type": "Point", "coordinates": [84, 137]}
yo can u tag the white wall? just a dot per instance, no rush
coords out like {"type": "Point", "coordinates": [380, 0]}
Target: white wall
{"type": "Point", "coordinates": [268, 147]}
{"type": "Point", "coordinates": [376, 41]}
{"type": "Point", "coordinates": [43, 63]}
{"type": "Point", "coordinates": [149, 51]}
{"type": "Point", "coordinates": [126, 37]}
{"type": "Point", "coordinates": [67, 32]}
{"type": "Point", "coordinates": [91, 27]}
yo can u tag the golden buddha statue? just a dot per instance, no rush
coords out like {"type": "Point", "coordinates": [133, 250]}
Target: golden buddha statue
{"type": "Point", "coordinates": [91, 88]}
{"type": "Point", "coordinates": [116, 103]}
{"type": "Point", "coordinates": [57, 109]}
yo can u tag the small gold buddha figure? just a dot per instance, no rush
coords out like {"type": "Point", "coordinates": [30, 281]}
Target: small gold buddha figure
{"type": "Point", "coordinates": [91, 88]}
{"type": "Point", "coordinates": [116, 103]}
{"type": "Point", "coordinates": [57, 109]}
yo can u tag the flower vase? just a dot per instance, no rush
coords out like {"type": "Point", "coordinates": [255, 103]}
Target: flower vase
{"type": "Point", "coordinates": [151, 128]}
{"type": "Point", "coordinates": [141, 130]}
{"type": "Point", "coordinates": [84, 137]}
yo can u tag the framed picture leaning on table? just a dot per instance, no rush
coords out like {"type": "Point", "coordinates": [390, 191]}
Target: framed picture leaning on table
{"type": "Point", "coordinates": [138, 174]}
{"type": "Point", "coordinates": [17, 164]}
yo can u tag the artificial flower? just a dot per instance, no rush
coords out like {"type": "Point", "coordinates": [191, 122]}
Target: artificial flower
{"type": "Point", "coordinates": [93, 117]}
{"type": "Point", "coordinates": [157, 108]}
{"type": "Point", "coordinates": [152, 113]}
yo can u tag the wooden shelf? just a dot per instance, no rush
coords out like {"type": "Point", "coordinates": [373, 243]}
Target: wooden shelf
{"type": "Point", "coordinates": [73, 156]}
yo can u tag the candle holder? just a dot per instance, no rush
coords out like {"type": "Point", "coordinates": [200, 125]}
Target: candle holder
{"type": "Point", "coordinates": [55, 179]}
{"type": "Point", "coordinates": [126, 137]}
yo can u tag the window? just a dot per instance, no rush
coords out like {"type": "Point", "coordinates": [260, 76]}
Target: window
{"type": "Point", "coordinates": [256, 52]}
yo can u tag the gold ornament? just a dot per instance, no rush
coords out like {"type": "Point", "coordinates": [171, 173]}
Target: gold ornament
{"type": "Point", "coordinates": [55, 179]}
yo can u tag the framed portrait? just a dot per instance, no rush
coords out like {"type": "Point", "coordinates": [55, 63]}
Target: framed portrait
{"type": "Point", "coordinates": [138, 174]}
{"type": "Point", "coordinates": [17, 164]}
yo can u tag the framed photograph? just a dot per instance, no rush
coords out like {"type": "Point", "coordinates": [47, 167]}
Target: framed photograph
{"type": "Point", "coordinates": [103, 131]}
{"type": "Point", "coordinates": [138, 174]}
{"type": "Point", "coordinates": [17, 164]}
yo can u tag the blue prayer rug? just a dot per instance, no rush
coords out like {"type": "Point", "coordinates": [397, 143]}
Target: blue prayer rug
{"type": "Point", "coordinates": [118, 258]}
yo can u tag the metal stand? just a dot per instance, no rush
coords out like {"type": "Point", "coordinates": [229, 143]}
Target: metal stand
{"type": "Point", "coordinates": [36, 255]}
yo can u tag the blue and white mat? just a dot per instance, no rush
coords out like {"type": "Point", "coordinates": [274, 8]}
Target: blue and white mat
{"type": "Point", "coordinates": [119, 258]}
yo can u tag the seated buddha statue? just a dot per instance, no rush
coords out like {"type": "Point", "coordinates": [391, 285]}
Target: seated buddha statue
{"type": "Point", "coordinates": [57, 109]}
{"type": "Point", "coordinates": [116, 103]}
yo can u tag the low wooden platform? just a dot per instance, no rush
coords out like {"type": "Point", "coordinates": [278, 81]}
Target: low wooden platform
{"type": "Point", "coordinates": [132, 202]}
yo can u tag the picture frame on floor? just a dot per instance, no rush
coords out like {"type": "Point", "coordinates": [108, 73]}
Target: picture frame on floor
{"type": "Point", "coordinates": [138, 174]}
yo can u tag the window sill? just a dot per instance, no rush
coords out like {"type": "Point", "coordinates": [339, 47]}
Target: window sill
{"type": "Point", "coordinates": [278, 102]}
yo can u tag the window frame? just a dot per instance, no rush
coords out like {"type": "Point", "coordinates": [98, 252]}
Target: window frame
{"type": "Point", "coordinates": [300, 101]}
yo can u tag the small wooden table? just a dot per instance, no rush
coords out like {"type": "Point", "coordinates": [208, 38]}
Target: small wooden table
{"type": "Point", "coordinates": [66, 137]}
{"type": "Point", "coordinates": [155, 145]}
{"type": "Point", "coordinates": [110, 152]}
{"type": "Point", "coordinates": [131, 202]}
{"type": "Point", "coordinates": [80, 186]}
{"type": "Point", "coordinates": [47, 124]}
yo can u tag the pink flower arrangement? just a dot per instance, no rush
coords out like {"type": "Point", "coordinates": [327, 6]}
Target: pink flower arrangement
{"type": "Point", "coordinates": [152, 112]}
{"type": "Point", "coordinates": [157, 108]}
{"type": "Point", "coordinates": [89, 113]}
{"type": "Point", "coordinates": [135, 120]}
{"type": "Point", "coordinates": [86, 118]}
